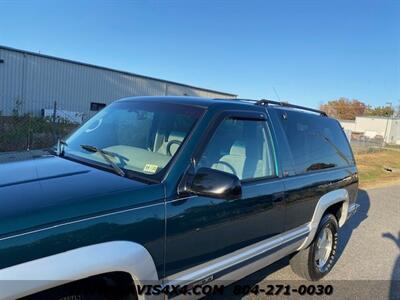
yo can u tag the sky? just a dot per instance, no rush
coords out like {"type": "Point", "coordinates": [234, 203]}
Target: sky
{"type": "Point", "coordinates": [304, 52]}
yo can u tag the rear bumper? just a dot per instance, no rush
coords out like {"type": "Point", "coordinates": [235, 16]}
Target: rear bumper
{"type": "Point", "coordinates": [352, 210]}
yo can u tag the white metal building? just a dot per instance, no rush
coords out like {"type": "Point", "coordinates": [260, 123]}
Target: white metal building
{"type": "Point", "coordinates": [371, 127]}
{"type": "Point", "coordinates": [32, 83]}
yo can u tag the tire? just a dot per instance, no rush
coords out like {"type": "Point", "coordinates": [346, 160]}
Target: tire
{"type": "Point", "coordinates": [312, 264]}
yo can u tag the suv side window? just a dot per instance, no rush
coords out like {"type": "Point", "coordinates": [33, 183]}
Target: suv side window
{"type": "Point", "coordinates": [316, 142]}
{"type": "Point", "coordinates": [240, 147]}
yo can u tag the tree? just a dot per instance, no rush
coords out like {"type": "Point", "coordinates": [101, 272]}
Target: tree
{"type": "Point", "coordinates": [379, 111]}
{"type": "Point", "coordinates": [344, 108]}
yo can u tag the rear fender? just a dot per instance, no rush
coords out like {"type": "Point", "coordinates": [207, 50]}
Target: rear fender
{"type": "Point", "coordinates": [327, 200]}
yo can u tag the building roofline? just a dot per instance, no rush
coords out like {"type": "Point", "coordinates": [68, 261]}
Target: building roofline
{"type": "Point", "coordinates": [379, 117]}
{"type": "Point", "coordinates": [343, 120]}
{"type": "Point", "coordinates": [113, 70]}
{"type": "Point", "coordinates": [371, 117]}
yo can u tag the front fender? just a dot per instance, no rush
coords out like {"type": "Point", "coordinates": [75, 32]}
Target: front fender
{"type": "Point", "coordinates": [44, 273]}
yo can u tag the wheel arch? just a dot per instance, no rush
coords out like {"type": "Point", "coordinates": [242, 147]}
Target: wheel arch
{"type": "Point", "coordinates": [113, 285]}
{"type": "Point", "coordinates": [52, 271]}
{"type": "Point", "coordinates": [337, 199]}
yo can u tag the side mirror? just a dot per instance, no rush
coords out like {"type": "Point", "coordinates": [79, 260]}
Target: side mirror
{"type": "Point", "coordinates": [213, 183]}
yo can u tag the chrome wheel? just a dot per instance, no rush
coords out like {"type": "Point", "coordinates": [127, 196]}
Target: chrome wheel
{"type": "Point", "coordinates": [324, 248]}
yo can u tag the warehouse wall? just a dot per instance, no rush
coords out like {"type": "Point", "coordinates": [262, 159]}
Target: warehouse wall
{"type": "Point", "coordinates": [394, 132]}
{"type": "Point", "coordinates": [31, 83]}
{"type": "Point", "coordinates": [348, 125]}
{"type": "Point", "coordinates": [11, 79]}
{"type": "Point", "coordinates": [375, 126]}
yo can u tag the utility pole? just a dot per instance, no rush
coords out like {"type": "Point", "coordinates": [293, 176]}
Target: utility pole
{"type": "Point", "coordinates": [397, 112]}
{"type": "Point", "coordinates": [387, 123]}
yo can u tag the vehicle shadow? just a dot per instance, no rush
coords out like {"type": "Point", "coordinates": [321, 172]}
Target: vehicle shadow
{"type": "Point", "coordinates": [394, 292]}
{"type": "Point", "coordinates": [362, 213]}
{"type": "Point", "coordinates": [344, 235]}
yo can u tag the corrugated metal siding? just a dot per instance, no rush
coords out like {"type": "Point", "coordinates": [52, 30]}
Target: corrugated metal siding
{"type": "Point", "coordinates": [394, 136]}
{"type": "Point", "coordinates": [40, 81]}
{"type": "Point", "coordinates": [75, 86]}
{"type": "Point", "coordinates": [178, 90]}
{"type": "Point", "coordinates": [11, 80]}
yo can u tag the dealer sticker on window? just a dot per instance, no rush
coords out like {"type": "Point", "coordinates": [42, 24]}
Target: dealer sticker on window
{"type": "Point", "coordinates": [149, 168]}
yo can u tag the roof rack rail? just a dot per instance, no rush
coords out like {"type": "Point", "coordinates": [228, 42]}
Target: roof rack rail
{"type": "Point", "coordinates": [284, 104]}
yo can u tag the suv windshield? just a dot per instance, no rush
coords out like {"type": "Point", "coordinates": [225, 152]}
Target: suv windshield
{"type": "Point", "coordinates": [137, 136]}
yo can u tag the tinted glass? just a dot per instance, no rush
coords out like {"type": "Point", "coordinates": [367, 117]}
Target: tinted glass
{"type": "Point", "coordinates": [240, 147]}
{"type": "Point", "coordinates": [94, 106]}
{"type": "Point", "coordinates": [142, 137]}
{"type": "Point", "coordinates": [316, 142]}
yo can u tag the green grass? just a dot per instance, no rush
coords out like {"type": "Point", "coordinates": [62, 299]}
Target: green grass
{"type": "Point", "coordinates": [371, 167]}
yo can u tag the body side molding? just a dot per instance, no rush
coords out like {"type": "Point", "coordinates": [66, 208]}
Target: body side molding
{"type": "Point", "coordinates": [51, 271]}
{"type": "Point", "coordinates": [327, 200]}
{"type": "Point", "coordinates": [244, 261]}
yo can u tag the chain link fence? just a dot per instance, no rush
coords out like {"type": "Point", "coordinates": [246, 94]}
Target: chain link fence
{"type": "Point", "coordinates": [361, 143]}
{"type": "Point", "coordinates": [28, 132]}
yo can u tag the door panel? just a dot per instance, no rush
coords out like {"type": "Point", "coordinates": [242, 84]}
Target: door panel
{"type": "Point", "coordinates": [201, 228]}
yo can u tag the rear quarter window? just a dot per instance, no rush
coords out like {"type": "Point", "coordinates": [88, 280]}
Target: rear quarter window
{"type": "Point", "coordinates": [316, 142]}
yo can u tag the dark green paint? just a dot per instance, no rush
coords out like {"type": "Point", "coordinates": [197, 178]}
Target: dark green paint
{"type": "Point", "coordinates": [91, 206]}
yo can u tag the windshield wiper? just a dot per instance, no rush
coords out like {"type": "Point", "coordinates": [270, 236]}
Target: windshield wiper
{"type": "Point", "coordinates": [61, 144]}
{"type": "Point", "coordinates": [106, 155]}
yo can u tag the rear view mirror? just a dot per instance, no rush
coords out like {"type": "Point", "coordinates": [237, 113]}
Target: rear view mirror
{"type": "Point", "coordinates": [213, 183]}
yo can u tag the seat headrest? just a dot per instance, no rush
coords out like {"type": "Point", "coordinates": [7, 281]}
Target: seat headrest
{"type": "Point", "coordinates": [238, 148]}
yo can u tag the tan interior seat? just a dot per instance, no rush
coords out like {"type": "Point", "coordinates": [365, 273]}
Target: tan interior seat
{"type": "Point", "coordinates": [234, 161]}
{"type": "Point", "coordinates": [173, 136]}
{"type": "Point", "coordinates": [239, 164]}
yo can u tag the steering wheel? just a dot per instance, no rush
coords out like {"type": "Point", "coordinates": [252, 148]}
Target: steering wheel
{"type": "Point", "coordinates": [229, 167]}
{"type": "Point", "coordinates": [170, 143]}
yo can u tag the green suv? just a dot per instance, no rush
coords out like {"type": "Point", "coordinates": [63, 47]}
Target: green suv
{"type": "Point", "coordinates": [165, 191]}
